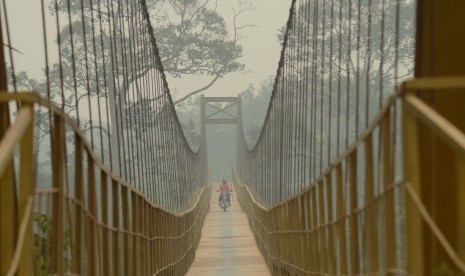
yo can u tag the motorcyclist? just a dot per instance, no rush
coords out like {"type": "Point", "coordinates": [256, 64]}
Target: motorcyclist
{"type": "Point", "coordinates": [224, 187]}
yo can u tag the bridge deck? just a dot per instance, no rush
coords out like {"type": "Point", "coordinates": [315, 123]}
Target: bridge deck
{"type": "Point", "coordinates": [227, 246]}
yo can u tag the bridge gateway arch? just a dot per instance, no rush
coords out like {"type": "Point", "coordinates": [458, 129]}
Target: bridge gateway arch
{"type": "Point", "coordinates": [223, 111]}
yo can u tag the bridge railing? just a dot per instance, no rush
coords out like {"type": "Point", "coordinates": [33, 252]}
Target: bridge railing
{"type": "Point", "coordinates": [332, 226]}
{"type": "Point", "coordinates": [434, 144]}
{"type": "Point", "coordinates": [16, 212]}
{"type": "Point", "coordinates": [345, 224]}
{"type": "Point", "coordinates": [88, 221]}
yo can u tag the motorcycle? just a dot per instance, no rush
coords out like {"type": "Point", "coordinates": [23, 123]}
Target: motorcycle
{"type": "Point", "coordinates": [224, 204]}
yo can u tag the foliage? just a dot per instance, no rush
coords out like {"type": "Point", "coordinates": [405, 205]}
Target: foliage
{"type": "Point", "coordinates": [43, 244]}
{"type": "Point", "coordinates": [255, 104]}
{"type": "Point", "coordinates": [361, 36]}
{"type": "Point", "coordinates": [193, 39]}
{"type": "Point", "coordinates": [42, 247]}
{"type": "Point", "coordinates": [93, 64]}
{"type": "Point", "coordinates": [192, 135]}
{"type": "Point", "coordinates": [444, 269]}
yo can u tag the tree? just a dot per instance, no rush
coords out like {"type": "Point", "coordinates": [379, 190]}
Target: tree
{"type": "Point", "coordinates": [364, 35]}
{"type": "Point", "coordinates": [199, 37]}
{"type": "Point", "coordinates": [353, 47]}
{"type": "Point", "coordinates": [340, 61]}
{"type": "Point", "coordinates": [103, 49]}
{"type": "Point", "coordinates": [255, 104]}
{"type": "Point", "coordinates": [192, 38]}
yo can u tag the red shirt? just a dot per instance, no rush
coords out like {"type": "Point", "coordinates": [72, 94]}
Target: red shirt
{"type": "Point", "coordinates": [224, 187]}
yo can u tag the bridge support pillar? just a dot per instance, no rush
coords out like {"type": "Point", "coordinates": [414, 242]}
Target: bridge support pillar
{"type": "Point", "coordinates": [8, 203]}
{"type": "Point", "coordinates": [436, 172]}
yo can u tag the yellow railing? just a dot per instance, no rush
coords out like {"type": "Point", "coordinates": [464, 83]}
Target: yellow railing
{"type": "Point", "coordinates": [434, 145]}
{"type": "Point", "coordinates": [317, 232]}
{"type": "Point", "coordinates": [16, 213]}
{"type": "Point", "coordinates": [101, 226]}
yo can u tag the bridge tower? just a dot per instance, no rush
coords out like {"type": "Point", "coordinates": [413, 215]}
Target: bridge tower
{"type": "Point", "coordinates": [223, 114]}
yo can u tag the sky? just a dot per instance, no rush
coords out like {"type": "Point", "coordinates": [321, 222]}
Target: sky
{"type": "Point", "coordinates": [261, 48]}
{"type": "Point", "coordinates": [24, 18]}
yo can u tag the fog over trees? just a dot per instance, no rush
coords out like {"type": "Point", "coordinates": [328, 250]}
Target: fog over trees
{"type": "Point", "coordinates": [364, 65]}
{"type": "Point", "coordinates": [192, 38]}
{"type": "Point", "coordinates": [221, 139]}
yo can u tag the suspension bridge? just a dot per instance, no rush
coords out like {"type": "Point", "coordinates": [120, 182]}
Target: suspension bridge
{"type": "Point", "coordinates": [359, 168]}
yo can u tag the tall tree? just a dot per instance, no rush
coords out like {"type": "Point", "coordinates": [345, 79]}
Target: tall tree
{"type": "Point", "coordinates": [193, 39]}
{"type": "Point", "coordinates": [102, 54]}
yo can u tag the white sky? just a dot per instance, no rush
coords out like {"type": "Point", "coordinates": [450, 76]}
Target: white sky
{"type": "Point", "coordinates": [24, 17]}
{"type": "Point", "coordinates": [260, 47]}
